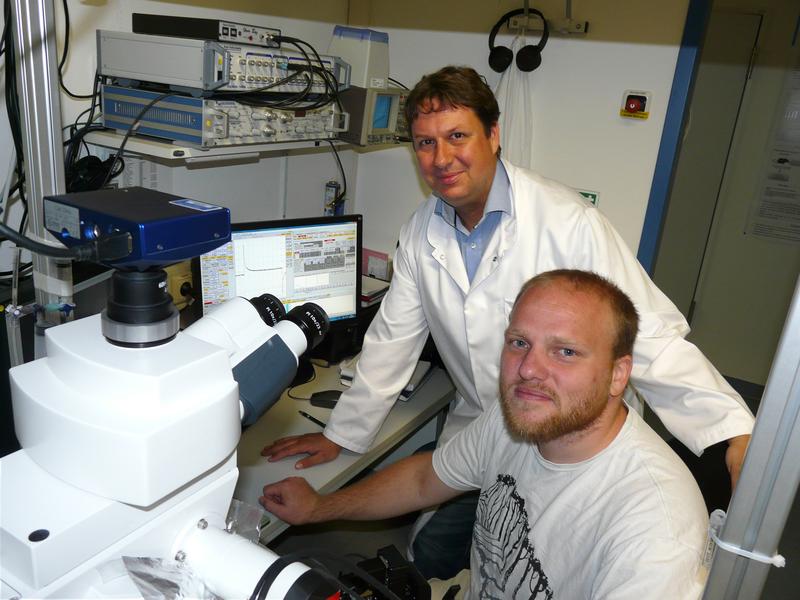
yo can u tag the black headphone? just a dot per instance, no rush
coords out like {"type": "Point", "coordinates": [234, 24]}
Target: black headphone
{"type": "Point", "coordinates": [528, 58]}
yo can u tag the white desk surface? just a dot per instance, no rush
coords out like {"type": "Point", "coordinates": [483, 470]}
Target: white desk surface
{"type": "Point", "coordinates": [283, 419]}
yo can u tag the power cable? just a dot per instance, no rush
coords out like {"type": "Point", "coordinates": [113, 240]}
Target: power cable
{"type": "Point", "coordinates": [117, 157]}
{"type": "Point", "coordinates": [340, 197]}
{"type": "Point", "coordinates": [399, 84]}
{"type": "Point", "coordinates": [64, 58]}
{"type": "Point", "coordinates": [113, 247]}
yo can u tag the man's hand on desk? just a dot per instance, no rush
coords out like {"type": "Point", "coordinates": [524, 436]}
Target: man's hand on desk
{"type": "Point", "coordinates": [292, 500]}
{"type": "Point", "coordinates": [319, 448]}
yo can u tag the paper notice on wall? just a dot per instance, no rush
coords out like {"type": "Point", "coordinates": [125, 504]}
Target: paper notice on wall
{"type": "Point", "coordinates": [375, 264]}
{"type": "Point", "coordinates": [775, 214]}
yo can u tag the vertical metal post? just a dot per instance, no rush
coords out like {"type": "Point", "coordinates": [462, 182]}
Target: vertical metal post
{"type": "Point", "coordinates": [40, 113]}
{"type": "Point", "coordinates": [769, 479]}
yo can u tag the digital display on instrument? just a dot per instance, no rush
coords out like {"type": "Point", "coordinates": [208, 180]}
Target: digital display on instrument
{"type": "Point", "coordinates": [382, 111]}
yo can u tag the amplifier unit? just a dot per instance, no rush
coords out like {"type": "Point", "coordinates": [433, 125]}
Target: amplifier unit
{"type": "Point", "coordinates": [210, 123]}
{"type": "Point", "coordinates": [203, 67]}
{"type": "Point", "coordinates": [206, 29]}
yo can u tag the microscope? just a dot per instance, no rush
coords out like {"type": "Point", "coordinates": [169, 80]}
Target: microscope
{"type": "Point", "coordinates": [129, 426]}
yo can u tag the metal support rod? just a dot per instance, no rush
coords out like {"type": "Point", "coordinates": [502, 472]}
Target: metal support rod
{"type": "Point", "coordinates": [770, 476]}
{"type": "Point", "coordinates": [40, 113]}
{"type": "Point", "coordinates": [527, 8]}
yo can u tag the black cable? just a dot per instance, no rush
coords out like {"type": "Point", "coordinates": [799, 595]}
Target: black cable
{"type": "Point", "coordinates": [86, 173]}
{"type": "Point", "coordinates": [328, 78]}
{"type": "Point", "coordinates": [34, 246]}
{"type": "Point", "coordinates": [64, 58]}
{"type": "Point", "coordinates": [289, 390]}
{"type": "Point", "coordinates": [272, 572]}
{"type": "Point", "coordinates": [22, 268]}
{"type": "Point", "coordinates": [340, 198]}
{"type": "Point", "coordinates": [15, 187]}
{"type": "Point", "coordinates": [311, 68]}
{"type": "Point", "coordinates": [5, 30]}
{"type": "Point", "coordinates": [307, 94]}
{"type": "Point", "coordinates": [112, 247]}
{"type": "Point", "coordinates": [23, 222]}
{"type": "Point", "coordinates": [336, 558]}
{"type": "Point", "coordinates": [74, 125]}
{"type": "Point", "coordinates": [402, 85]}
{"type": "Point", "coordinates": [78, 131]}
{"type": "Point", "coordinates": [117, 157]}
{"type": "Point", "coordinates": [12, 100]}
{"type": "Point", "coordinates": [251, 96]}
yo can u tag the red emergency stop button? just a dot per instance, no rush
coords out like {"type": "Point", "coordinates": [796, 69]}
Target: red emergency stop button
{"type": "Point", "coordinates": [635, 104]}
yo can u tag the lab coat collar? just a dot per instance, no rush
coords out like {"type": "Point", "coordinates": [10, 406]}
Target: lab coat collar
{"type": "Point", "coordinates": [447, 253]}
{"type": "Point", "coordinates": [505, 234]}
{"type": "Point", "coordinates": [499, 200]}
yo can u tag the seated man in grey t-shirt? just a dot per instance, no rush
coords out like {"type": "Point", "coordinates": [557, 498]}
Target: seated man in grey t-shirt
{"type": "Point", "coordinates": [579, 497]}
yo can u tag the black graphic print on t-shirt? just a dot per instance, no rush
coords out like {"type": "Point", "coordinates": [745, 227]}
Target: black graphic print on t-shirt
{"type": "Point", "coordinates": [509, 567]}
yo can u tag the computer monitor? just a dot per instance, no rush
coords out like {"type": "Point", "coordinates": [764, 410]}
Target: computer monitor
{"type": "Point", "coordinates": [298, 260]}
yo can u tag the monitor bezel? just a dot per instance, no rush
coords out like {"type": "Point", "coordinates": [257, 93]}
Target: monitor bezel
{"type": "Point", "coordinates": [356, 218]}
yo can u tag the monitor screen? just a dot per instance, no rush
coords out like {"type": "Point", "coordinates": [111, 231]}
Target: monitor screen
{"type": "Point", "coordinates": [298, 260]}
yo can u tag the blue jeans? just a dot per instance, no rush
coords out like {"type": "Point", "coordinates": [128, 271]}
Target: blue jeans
{"type": "Point", "coordinates": [441, 548]}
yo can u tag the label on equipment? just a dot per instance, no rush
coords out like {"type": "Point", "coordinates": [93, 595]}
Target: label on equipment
{"type": "Point", "coordinates": [195, 205]}
{"type": "Point", "coordinates": [61, 217]}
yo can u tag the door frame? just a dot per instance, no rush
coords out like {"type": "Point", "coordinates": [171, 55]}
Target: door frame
{"type": "Point", "coordinates": [697, 17]}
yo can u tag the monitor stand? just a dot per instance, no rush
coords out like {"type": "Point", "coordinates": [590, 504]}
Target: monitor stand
{"type": "Point", "coordinates": [305, 372]}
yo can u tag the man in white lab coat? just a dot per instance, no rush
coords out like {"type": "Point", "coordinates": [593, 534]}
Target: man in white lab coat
{"type": "Point", "coordinates": [487, 228]}
{"type": "Point", "coordinates": [579, 498]}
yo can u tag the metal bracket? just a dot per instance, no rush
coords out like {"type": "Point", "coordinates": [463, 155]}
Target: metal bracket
{"type": "Point", "coordinates": [567, 25]}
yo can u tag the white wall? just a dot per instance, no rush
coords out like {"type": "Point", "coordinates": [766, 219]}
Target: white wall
{"type": "Point", "coordinates": [579, 137]}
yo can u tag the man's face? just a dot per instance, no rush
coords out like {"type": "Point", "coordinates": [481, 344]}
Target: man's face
{"type": "Point", "coordinates": [456, 157]}
{"type": "Point", "coordinates": [557, 369]}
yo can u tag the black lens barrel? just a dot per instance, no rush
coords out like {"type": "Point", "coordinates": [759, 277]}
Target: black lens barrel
{"type": "Point", "coordinates": [312, 321]}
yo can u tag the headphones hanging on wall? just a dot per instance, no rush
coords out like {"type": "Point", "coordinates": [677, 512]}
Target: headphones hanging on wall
{"type": "Point", "coordinates": [528, 57]}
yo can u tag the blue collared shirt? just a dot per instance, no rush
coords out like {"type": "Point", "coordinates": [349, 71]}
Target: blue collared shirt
{"type": "Point", "coordinates": [473, 243]}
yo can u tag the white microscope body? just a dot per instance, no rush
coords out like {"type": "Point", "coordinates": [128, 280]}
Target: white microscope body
{"type": "Point", "coordinates": [131, 451]}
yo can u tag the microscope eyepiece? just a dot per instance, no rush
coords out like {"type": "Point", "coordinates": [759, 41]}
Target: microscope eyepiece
{"type": "Point", "coordinates": [269, 308]}
{"type": "Point", "coordinates": [312, 321]}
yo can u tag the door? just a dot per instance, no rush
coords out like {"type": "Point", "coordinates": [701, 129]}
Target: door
{"type": "Point", "coordinates": [733, 287]}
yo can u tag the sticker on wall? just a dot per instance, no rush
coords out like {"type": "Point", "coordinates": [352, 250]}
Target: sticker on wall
{"type": "Point", "coordinates": [593, 197]}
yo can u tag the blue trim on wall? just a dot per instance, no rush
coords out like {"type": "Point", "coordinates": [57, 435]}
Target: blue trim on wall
{"type": "Point", "coordinates": [685, 69]}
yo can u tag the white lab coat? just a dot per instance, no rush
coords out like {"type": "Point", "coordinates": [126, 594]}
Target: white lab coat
{"type": "Point", "coordinates": [551, 227]}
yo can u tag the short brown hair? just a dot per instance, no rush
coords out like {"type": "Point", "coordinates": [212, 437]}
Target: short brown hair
{"type": "Point", "coordinates": [625, 316]}
{"type": "Point", "coordinates": [454, 87]}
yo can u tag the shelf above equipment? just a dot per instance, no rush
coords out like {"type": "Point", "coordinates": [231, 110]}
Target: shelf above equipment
{"type": "Point", "coordinates": [154, 148]}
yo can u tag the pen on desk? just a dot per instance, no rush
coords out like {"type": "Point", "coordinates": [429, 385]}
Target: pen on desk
{"type": "Point", "coordinates": [312, 419]}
